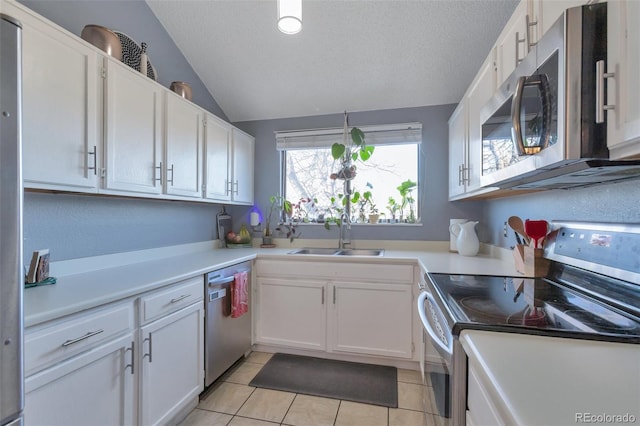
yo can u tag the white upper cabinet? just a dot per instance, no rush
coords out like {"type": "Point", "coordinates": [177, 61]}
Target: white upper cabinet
{"type": "Point", "coordinates": [623, 87]}
{"type": "Point", "coordinates": [544, 13]}
{"type": "Point", "coordinates": [60, 107]}
{"type": "Point", "coordinates": [133, 138]}
{"type": "Point", "coordinates": [229, 163]}
{"type": "Point", "coordinates": [457, 149]}
{"type": "Point", "coordinates": [465, 134]}
{"type": "Point", "coordinates": [512, 43]}
{"type": "Point", "coordinates": [217, 158]}
{"type": "Point", "coordinates": [183, 147]}
{"type": "Point", "coordinates": [243, 152]}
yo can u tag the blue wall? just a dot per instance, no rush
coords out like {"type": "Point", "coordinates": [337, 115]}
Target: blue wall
{"type": "Point", "coordinates": [615, 202]}
{"type": "Point", "coordinates": [135, 19]}
{"type": "Point", "coordinates": [435, 209]}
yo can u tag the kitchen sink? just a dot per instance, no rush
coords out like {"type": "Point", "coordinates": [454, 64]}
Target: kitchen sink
{"type": "Point", "coordinates": [361, 252]}
{"type": "Point", "coordinates": [324, 251]}
{"type": "Point", "coordinates": [339, 252]}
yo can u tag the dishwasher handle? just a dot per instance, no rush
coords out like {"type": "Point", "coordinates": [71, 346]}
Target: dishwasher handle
{"type": "Point", "coordinates": [219, 281]}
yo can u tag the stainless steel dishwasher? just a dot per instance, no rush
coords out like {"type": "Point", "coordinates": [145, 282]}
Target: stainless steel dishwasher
{"type": "Point", "coordinates": [227, 339]}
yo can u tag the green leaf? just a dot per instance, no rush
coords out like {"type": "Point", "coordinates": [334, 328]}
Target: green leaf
{"type": "Point", "coordinates": [337, 149]}
{"type": "Point", "coordinates": [357, 136]}
{"type": "Point", "coordinates": [327, 225]}
{"type": "Point", "coordinates": [354, 156]}
{"type": "Point", "coordinates": [287, 207]}
{"type": "Point", "coordinates": [366, 152]}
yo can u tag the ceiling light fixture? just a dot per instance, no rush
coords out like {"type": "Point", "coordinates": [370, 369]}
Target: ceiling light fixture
{"type": "Point", "coordinates": [290, 16]}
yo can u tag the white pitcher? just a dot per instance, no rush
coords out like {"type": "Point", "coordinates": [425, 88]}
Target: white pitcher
{"type": "Point", "coordinates": [466, 238]}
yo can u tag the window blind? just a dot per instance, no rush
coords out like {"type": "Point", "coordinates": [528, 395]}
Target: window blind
{"type": "Point", "coordinates": [387, 134]}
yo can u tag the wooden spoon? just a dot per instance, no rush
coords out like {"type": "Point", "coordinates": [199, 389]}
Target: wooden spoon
{"type": "Point", "coordinates": [516, 224]}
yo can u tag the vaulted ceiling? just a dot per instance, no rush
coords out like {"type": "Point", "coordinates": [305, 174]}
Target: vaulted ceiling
{"type": "Point", "coordinates": [352, 55]}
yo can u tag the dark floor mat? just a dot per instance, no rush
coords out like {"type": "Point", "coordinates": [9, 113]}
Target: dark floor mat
{"type": "Point", "coordinates": [351, 381]}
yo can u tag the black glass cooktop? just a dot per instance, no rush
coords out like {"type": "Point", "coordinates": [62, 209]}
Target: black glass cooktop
{"type": "Point", "coordinates": [534, 304]}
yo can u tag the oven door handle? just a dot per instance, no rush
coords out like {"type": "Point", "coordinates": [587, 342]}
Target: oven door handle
{"type": "Point", "coordinates": [448, 349]}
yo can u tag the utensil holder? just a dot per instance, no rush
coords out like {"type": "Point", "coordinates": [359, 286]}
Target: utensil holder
{"type": "Point", "coordinates": [530, 261]}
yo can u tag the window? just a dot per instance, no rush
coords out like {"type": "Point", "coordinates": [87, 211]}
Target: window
{"type": "Point", "coordinates": [307, 164]}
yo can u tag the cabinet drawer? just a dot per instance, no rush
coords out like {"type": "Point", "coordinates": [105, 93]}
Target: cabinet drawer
{"type": "Point", "coordinates": [168, 300]}
{"type": "Point", "coordinates": [369, 272]}
{"type": "Point", "coordinates": [64, 338]}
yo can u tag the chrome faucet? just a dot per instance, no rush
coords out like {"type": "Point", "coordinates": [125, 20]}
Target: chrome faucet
{"type": "Point", "coordinates": [345, 232]}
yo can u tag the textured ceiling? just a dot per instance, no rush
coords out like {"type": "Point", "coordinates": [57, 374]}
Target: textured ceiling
{"type": "Point", "coordinates": [350, 55]}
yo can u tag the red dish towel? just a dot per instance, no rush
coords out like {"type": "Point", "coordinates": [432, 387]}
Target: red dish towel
{"type": "Point", "coordinates": [239, 294]}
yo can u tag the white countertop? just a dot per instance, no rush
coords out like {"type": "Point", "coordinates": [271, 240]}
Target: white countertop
{"type": "Point", "coordinates": [86, 283]}
{"type": "Point", "coordinates": [539, 380]}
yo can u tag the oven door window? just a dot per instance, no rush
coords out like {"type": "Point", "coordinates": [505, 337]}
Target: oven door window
{"type": "Point", "coordinates": [437, 379]}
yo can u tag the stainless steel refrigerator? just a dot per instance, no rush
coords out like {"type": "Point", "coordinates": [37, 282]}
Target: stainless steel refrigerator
{"type": "Point", "coordinates": [11, 271]}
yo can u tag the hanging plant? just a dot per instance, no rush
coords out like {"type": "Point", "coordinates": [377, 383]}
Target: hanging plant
{"type": "Point", "coordinates": [352, 149]}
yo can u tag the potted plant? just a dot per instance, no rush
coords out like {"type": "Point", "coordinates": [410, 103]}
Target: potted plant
{"type": "Point", "coordinates": [406, 193]}
{"type": "Point", "coordinates": [278, 204]}
{"type": "Point", "coordinates": [393, 207]}
{"type": "Point", "coordinates": [352, 148]}
{"type": "Point", "coordinates": [295, 214]}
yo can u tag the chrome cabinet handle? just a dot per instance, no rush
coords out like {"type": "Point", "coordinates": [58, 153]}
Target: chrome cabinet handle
{"type": "Point", "coordinates": [160, 172]}
{"type": "Point", "coordinates": [170, 170]}
{"type": "Point", "coordinates": [81, 338]}
{"type": "Point", "coordinates": [236, 186]}
{"type": "Point", "coordinates": [334, 294]}
{"type": "Point", "coordinates": [323, 295]}
{"type": "Point", "coordinates": [177, 299]}
{"type": "Point", "coordinates": [518, 41]}
{"type": "Point", "coordinates": [149, 354]}
{"type": "Point", "coordinates": [95, 161]}
{"type": "Point", "coordinates": [459, 174]}
{"type": "Point", "coordinates": [601, 107]}
{"type": "Point", "coordinates": [530, 24]}
{"type": "Point", "coordinates": [227, 187]}
{"type": "Point", "coordinates": [133, 358]}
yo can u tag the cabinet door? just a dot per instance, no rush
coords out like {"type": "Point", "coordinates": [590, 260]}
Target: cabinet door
{"type": "Point", "coordinates": [371, 319]}
{"type": "Point", "coordinates": [95, 386]}
{"type": "Point", "coordinates": [512, 42]}
{"type": "Point", "coordinates": [171, 364]}
{"type": "Point", "coordinates": [183, 135]}
{"type": "Point", "coordinates": [457, 149]}
{"type": "Point", "coordinates": [217, 159]}
{"type": "Point", "coordinates": [243, 149]}
{"type": "Point", "coordinates": [546, 12]}
{"type": "Point", "coordinates": [477, 96]}
{"type": "Point", "coordinates": [623, 90]}
{"type": "Point", "coordinates": [291, 313]}
{"type": "Point", "coordinates": [60, 109]}
{"type": "Point", "coordinates": [133, 131]}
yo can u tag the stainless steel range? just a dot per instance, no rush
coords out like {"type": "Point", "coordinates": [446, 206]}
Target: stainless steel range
{"type": "Point", "coordinates": [592, 291]}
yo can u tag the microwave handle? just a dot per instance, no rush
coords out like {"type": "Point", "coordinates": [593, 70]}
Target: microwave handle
{"type": "Point", "coordinates": [516, 106]}
{"type": "Point", "coordinates": [542, 81]}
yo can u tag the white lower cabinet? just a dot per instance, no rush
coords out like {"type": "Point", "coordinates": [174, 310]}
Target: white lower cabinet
{"type": "Point", "coordinates": [338, 308]}
{"type": "Point", "coordinates": [292, 312]}
{"type": "Point", "coordinates": [171, 364]}
{"type": "Point", "coordinates": [371, 319]}
{"type": "Point", "coordinates": [96, 387]}
{"type": "Point", "coordinates": [98, 367]}
{"type": "Point", "coordinates": [480, 409]}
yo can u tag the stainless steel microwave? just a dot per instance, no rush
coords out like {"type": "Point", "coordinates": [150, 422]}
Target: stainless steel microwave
{"type": "Point", "coordinates": [541, 129]}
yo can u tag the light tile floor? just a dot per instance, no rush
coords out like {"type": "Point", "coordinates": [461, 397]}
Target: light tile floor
{"type": "Point", "coordinates": [230, 401]}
